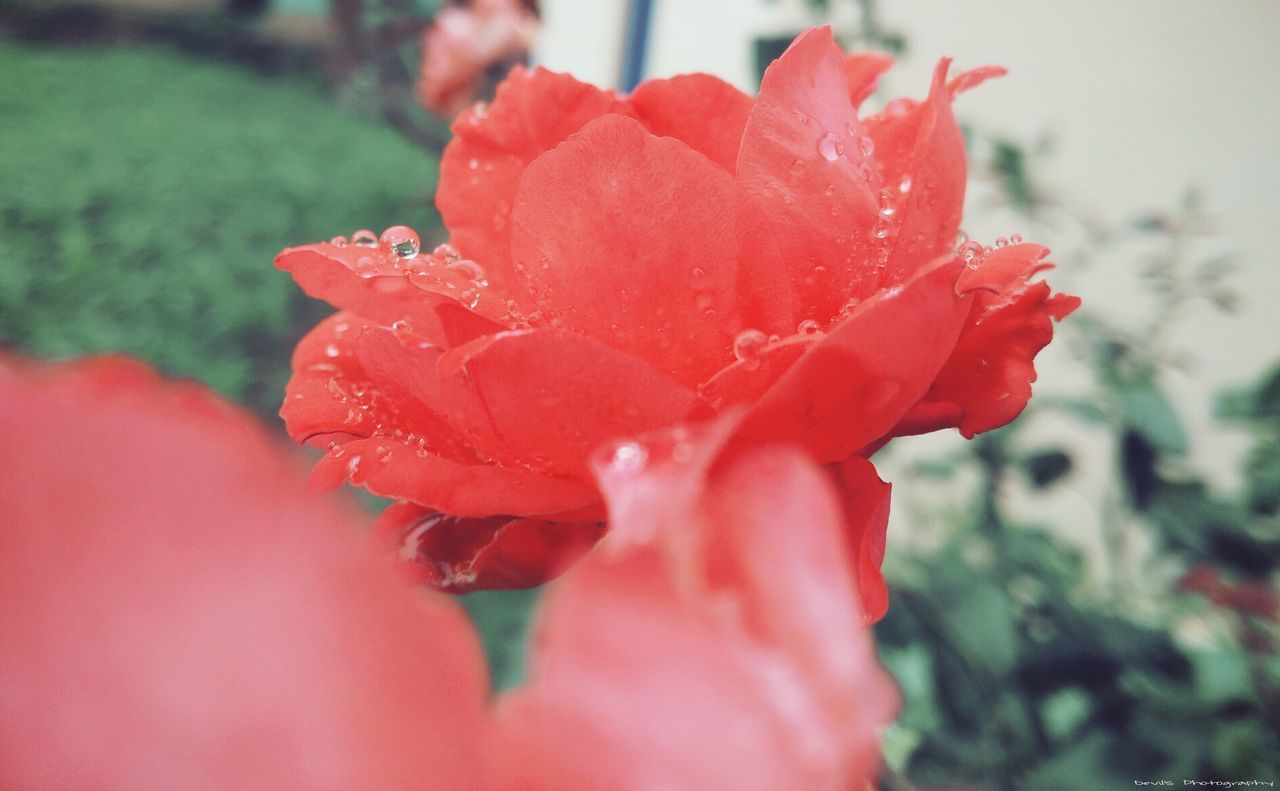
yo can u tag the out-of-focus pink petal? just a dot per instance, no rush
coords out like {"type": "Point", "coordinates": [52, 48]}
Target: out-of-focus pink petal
{"type": "Point", "coordinates": [179, 614]}
{"type": "Point", "coordinates": [854, 385]}
{"type": "Point", "coordinates": [737, 624]}
{"type": "Point", "coordinates": [703, 112]}
{"type": "Point", "coordinates": [866, 517]}
{"type": "Point", "coordinates": [806, 156]}
{"type": "Point", "coordinates": [460, 554]}
{"type": "Point", "coordinates": [462, 43]}
{"type": "Point", "coordinates": [645, 244]}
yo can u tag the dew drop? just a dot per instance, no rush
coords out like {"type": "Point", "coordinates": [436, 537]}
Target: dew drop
{"type": "Point", "coordinates": [970, 253]}
{"type": "Point", "coordinates": [473, 164]}
{"type": "Point", "coordinates": [904, 186]}
{"type": "Point", "coordinates": [366, 266]}
{"type": "Point", "coordinates": [809, 329]}
{"type": "Point", "coordinates": [446, 251]}
{"type": "Point", "coordinates": [332, 350]}
{"type": "Point", "coordinates": [468, 269]}
{"type": "Point", "coordinates": [401, 327]}
{"type": "Point", "coordinates": [1001, 242]}
{"type": "Point", "coordinates": [338, 241]}
{"type": "Point", "coordinates": [748, 346]}
{"type": "Point", "coordinates": [1015, 239]}
{"type": "Point", "coordinates": [364, 238]}
{"type": "Point", "coordinates": [629, 456]}
{"type": "Point", "coordinates": [401, 241]}
{"type": "Point", "coordinates": [881, 232]}
{"type": "Point", "coordinates": [961, 238]}
{"type": "Point", "coordinates": [866, 145]}
{"type": "Point", "coordinates": [830, 146]}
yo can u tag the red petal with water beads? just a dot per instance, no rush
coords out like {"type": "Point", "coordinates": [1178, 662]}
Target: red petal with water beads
{"type": "Point", "coordinates": [375, 282]}
{"type": "Point", "coordinates": [365, 405]}
{"type": "Point", "coordinates": [179, 613]}
{"type": "Point", "coordinates": [457, 554]}
{"type": "Point", "coordinates": [585, 239]}
{"type": "Point", "coordinates": [705, 113]}
{"type": "Point", "coordinates": [650, 642]}
{"type": "Point", "coordinates": [806, 156]}
{"type": "Point", "coordinates": [855, 384]}
{"type": "Point", "coordinates": [921, 155]}
{"type": "Point", "coordinates": [987, 380]}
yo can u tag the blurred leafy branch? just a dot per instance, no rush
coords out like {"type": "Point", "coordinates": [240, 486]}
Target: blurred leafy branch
{"type": "Point", "coordinates": [1019, 671]}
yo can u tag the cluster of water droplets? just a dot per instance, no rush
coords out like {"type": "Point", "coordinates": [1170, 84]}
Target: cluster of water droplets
{"type": "Point", "coordinates": [397, 251]}
{"type": "Point", "coordinates": [972, 252]}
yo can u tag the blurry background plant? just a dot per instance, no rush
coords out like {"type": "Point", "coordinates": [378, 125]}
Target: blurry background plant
{"type": "Point", "coordinates": [148, 186]}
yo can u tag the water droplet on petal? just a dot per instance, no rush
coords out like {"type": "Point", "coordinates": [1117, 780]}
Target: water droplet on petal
{"type": "Point", "coordinates": [970, 253]}
{"type": "Point", "coordinates": [1015, 239]}
{"type": "Point", "coordinates": [629, 456]}
{"type": "Point", "coordinates": [366, 266]}
{"type": "Point", "coordinates": [364, 238]}
{"type": "Point", "coordinates": [468, 269]}
{"type": "Point", "coordinates": [1001, 242]}
{"type": "Point", "coordinates": [401, 327]}
{"type": "Point", "coordinates": [748, 346]}
{"type": "Point", "coordinates": [881, 232]}
{"type": "Point", "coordinates": [866, 145]}
{"type": "Point", "coordinates": [904, 186]}
{"type": "Point", "coordinates": [332, 350]}
{"type": "Point", "coordinates": [338, 241]}
{"type": "Point", "coordinates": [401, 241]}
{"type": "Point", "coordinates": [447, 251]}
{"type": "Point", "coordinates": [830, 146]}
{"type": "Point", "coordinates": [809, 329]}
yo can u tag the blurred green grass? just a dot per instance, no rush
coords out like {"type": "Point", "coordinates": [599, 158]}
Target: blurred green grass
{"type": "Point", "coordinates": [146, 193]}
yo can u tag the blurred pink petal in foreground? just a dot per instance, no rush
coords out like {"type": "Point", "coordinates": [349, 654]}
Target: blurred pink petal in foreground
{"type": "Point", "coordinates": [178, 613]}
{"type": "Point", "coordinates": [463, 42]}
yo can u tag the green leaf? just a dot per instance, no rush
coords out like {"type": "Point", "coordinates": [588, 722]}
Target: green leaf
{"type": "Point", "coordinates": [1147, 411]}
{"type": "Point", "coordinates": [1044, 468]}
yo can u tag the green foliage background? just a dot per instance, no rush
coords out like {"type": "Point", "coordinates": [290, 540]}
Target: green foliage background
{"type": "Point", "coordinates": [146, 194]}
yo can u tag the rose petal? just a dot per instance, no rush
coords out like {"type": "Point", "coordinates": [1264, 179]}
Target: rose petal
{"type": "Point", "coordinates": [533, 111]}
{"type": "Point", "coordinates": [642, 651]}
{"type": "Point", "coordinates": [858, 382]}
{"type": "Point", "coordinates": [392, 467]}
{"type": "Point", "coordinates": [866, 516]}
{"type": "Point", "coordinates": [805, 155]}
{"type": "Point", "coordinates": [986, 382]}
{"type": "Point", "coordinates": [502, 552]}
{"type": "Point", "coordinates": [921, 156]}
{"type": "Point", "coordinates": [384, 288]}
{"type": "Point", "coordinates": [331, 397]}
{"type": "Point", "coordinates": [178, 613]}
{"type": "Point", "coordinates": [703, 112]}
{"type": "Point", "coordinates": [554, 396]}
{"type": "Point", "coordinates": [647, 245]}
{"type": "Point", "coordinates": [862, 72]}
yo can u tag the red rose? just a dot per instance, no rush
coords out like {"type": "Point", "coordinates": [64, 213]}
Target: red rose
{"type": "Point", "coordinates": [178, 613]}
{"type": "Point", "coordinates": [619, 264]}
